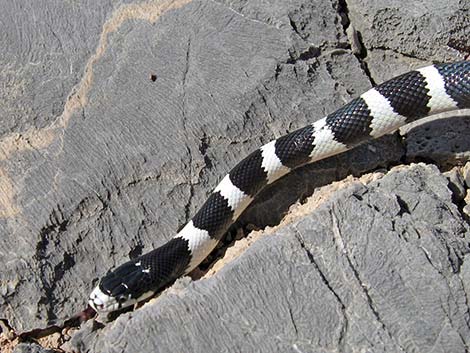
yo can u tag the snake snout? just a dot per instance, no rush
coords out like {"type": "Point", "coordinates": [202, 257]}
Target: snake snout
{"type": "Point", "coordinates": [120, 288]}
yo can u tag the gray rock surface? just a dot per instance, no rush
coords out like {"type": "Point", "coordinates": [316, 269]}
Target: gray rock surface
{"type": "Point", "coordinates": [466, 174]}
{"type": "Point", "coordinates": [45, 46]}
{"type": "Point", "coordinates": [456, 184]}
{"type": "Point", "coordinates": [395, 33]}
{"type": "Point", "coordinates": [439, 141]}
{"type": "Point", "coordinates": [377, 268]}
{"type": "Point", "coordinates": [119, 117]}
{"type": "Point", "coordinates": [31, 348]}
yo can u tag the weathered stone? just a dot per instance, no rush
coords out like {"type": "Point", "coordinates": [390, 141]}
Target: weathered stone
{"type": "Point", "coordinates": [31, 348]}
{"type": "Point", "coordinates": [45, 47]}
{"type": "Point", "coordinates": [396, 33]}
{"type": "Point", "coordinates": [466, 174]}
{"type": "Point", "coordinates": [440, 141]}
{"type": "Point", "coordinates": [466, 209]}
{"type": "Point", "coordinates": [456, 184]}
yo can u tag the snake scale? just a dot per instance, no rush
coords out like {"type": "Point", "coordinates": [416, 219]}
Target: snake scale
{"type": "Point", "coordinates": [380, 110]}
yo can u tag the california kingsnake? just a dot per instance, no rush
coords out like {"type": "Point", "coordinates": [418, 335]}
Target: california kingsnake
{"type": "Point", "coordinates": [378, 111]}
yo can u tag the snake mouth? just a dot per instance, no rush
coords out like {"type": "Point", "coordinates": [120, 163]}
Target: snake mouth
{"type": "Point", "coordinates": [101, 302]}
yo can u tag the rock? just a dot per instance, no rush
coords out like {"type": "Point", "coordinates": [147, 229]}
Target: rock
{"type": "Point", "coordinates": [456, 184]}
{"type": "Point", "coordinates": [466, 209]}
{"type": "Point", "coordinates": [397, 34]}
{"type": "Point", "coordinates": [31, 348]}
{"type": "Point", "coordinates": [353, 37]}
{"type": "Point", "coordinates": [54, 340]}
{"type": "Point", "coordinates": [466, 174]}
{"type": "Point", "coordinates": [465, 273]}
{"type": "Point", "coordinates": [352, 275]}
{"type": "Point", "coordinates": [439, 141]}
{"type": "Point", "coordinates": [45, 50]}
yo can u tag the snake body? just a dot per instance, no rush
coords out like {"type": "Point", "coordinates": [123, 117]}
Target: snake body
{"type": "Point", "coordinates": [379, 111]}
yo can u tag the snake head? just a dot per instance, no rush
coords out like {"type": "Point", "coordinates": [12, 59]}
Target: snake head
{"type": "Point", "coordinates": [141, 278]}
{"type": "Point", "coordinates": [124, 286]}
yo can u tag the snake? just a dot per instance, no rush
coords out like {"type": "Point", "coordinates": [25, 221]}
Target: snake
{"type": "Point", "coordinates": [380, 110]}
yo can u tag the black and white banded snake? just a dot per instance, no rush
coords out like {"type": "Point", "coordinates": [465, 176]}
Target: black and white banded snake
{"type": "Point", "coordinates": [380, 110]}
